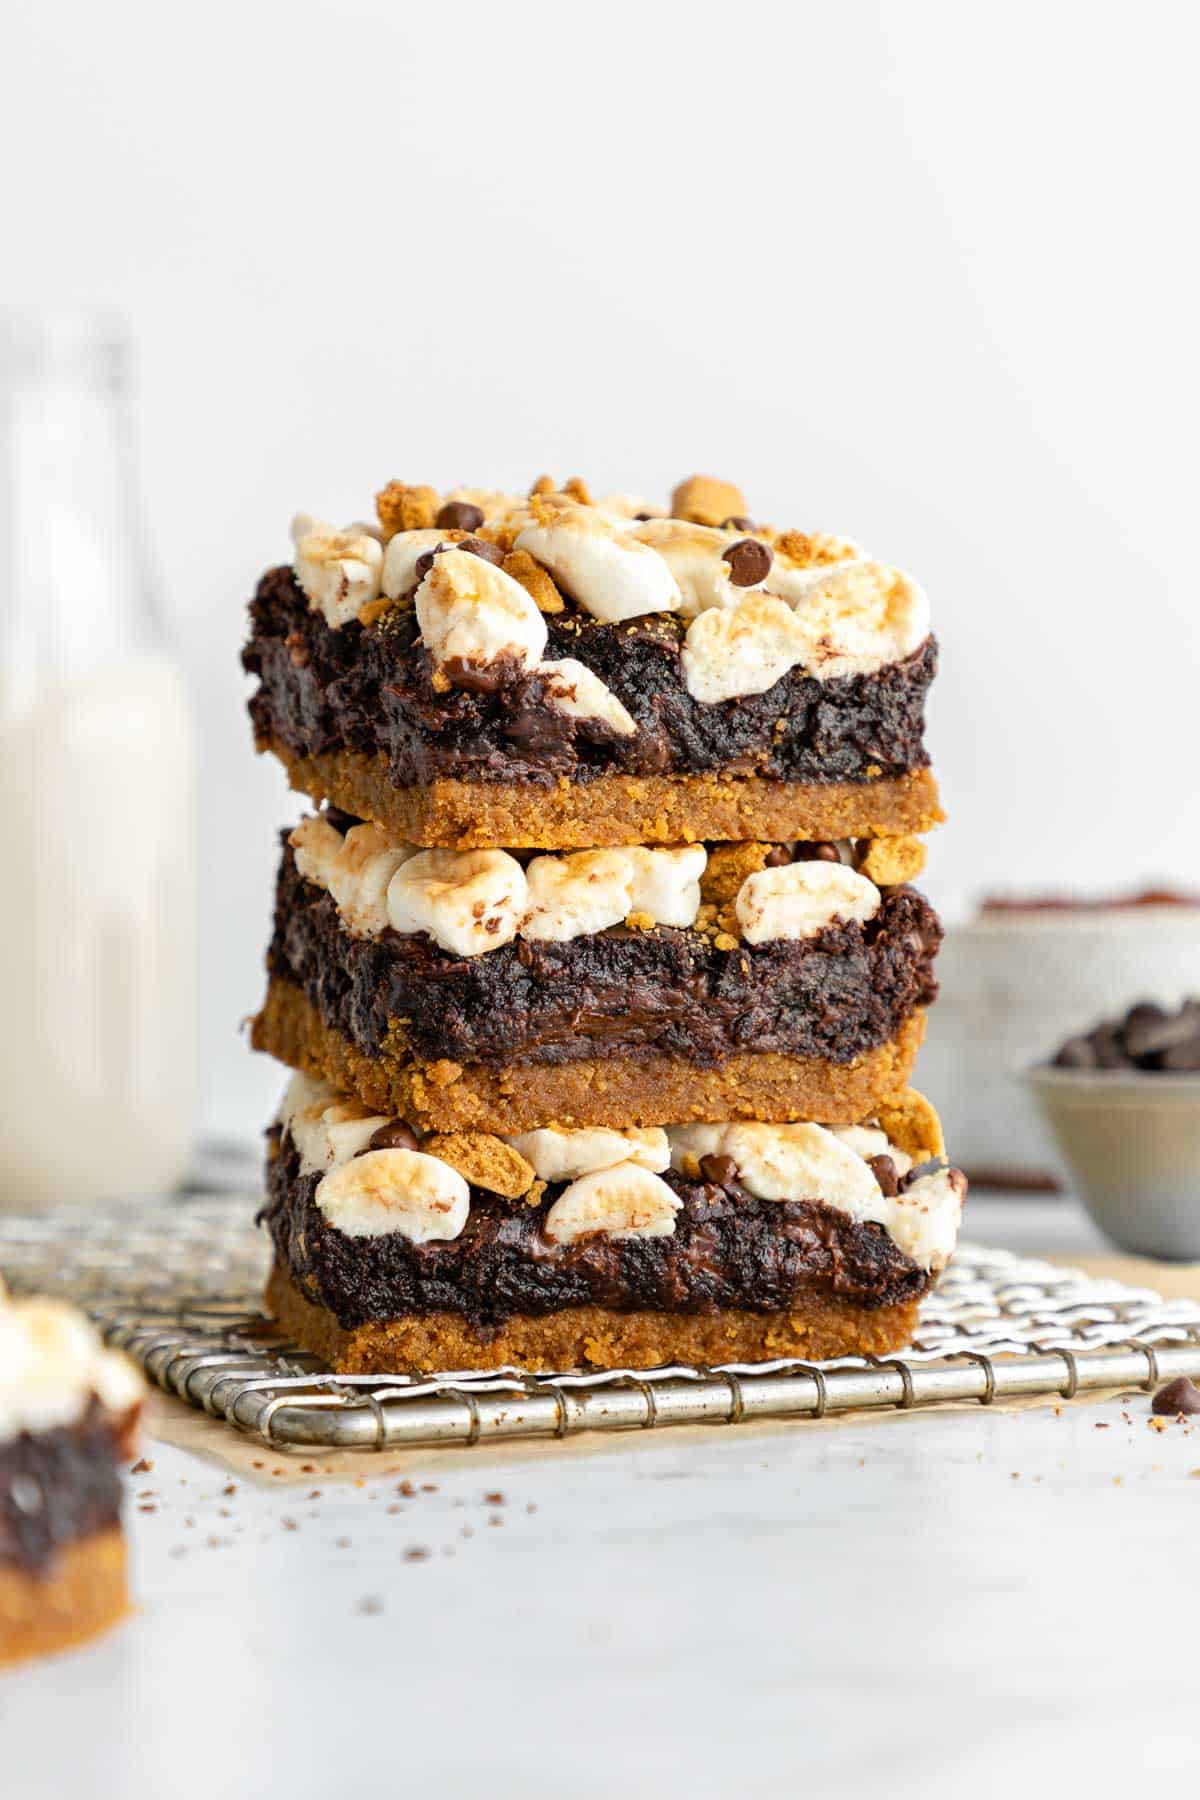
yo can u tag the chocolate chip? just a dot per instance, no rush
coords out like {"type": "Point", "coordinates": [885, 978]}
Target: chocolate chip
{"type": "Point", "coordinates": [477, 546]}
{"type": "Point", "coordinates": [779, 856]}
{"type": "Point", "coordinates": [480, 678]}
{"type": "Point", "coordinates": [341, 821]}
{"type": "Point", "coordinates": [749, 561]}
{"type": "Point", "coordinates": [1179, 1396]}
{"type": "Point", "coordinates": [818, 852]}
{"type": "Point", "coordinates": [737, 523]}
{"type": "Point", "coordinates": [1182, 1058]}
{"type": "Point", "coordinates": [481, 547]}
{"type": "Point", "coordinates": [720, 1170]}
{"type": "Point", "coordinates": [884, 1171]}
{"type": "Point", "coordinates": [1148, 1038]}
{"type": "Point", "coordinates": [395, 1135]}
{"type": "Point", "coordinates": [459, 515]}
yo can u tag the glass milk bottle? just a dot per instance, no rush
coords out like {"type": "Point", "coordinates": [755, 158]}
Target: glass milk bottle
{"type": "Point", "coordinates": [97, 807]}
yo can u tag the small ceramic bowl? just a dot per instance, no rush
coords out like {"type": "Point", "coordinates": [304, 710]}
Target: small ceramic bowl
{"type": "Point", "coordinates": [1132, 1143]}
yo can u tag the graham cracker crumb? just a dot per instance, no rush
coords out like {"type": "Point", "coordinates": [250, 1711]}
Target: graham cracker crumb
{"type": "Point", "coordinates": [543, 485]}
{"type": "Point", "coordinates": [640, 921]}
{"type": "Point", "coordinates": [578, 489]}
{"type": "Point", "coordinates": [706, 501]}
{"type": "Point", "coordinates": [890, 861]}
{"type": "Point", "coordinates": [727, 867]}
{"type": "Point", "coordinates": [723, 941]}
{"type": "Point", "coordinates": [402, 508]}
{"type": "Point", "coordinates": [813, 548]}
{"type": "Point", "coordinates": [485, 1161]}
{"type": "Point", "coordinates": [443, 1073]}
{"type": "Point", "coordinates": [535, 580]}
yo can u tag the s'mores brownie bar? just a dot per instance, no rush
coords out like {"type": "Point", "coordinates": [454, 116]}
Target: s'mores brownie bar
{"type": "Point", "coordinates": [68, 1414]}
{"type": "Point", "coordinates": [557, 1249]}
{"type": "Point", "coordinates": [487, 990]}
{"type": "Point", "coordinates": [485, 669]}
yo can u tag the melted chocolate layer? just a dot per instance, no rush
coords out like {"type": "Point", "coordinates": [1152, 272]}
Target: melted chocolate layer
{"type": "Point", "coordinates": [612, 994]}
{"type": "Point", "coordinates": [57, 1487]}
{"type": "Point", "coordinates": [370, 690]}
{"type": "Point", "coordinates": [728, 1250]}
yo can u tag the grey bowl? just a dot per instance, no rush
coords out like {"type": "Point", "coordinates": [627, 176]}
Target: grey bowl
{"type": "Point", "coordinates": [1132, 1144]}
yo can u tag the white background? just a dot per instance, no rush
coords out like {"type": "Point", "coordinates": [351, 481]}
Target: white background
{"type": "Point", "coordinates": [921, 273]}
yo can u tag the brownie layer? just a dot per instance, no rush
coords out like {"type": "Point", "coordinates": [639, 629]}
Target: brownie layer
{"type": "Point", "coordinates": [818, 1324]}
{"type": "Point", "coordinates": [617, 994]}
{"type": "Point", "coordinates": [652, 1089]}
{"type": "Point", "coordinates": [57, 1487]}
{"type": "Point", "coordinates": [368, 690]}
{"type": "Point", "coordinates": [728, 1250]}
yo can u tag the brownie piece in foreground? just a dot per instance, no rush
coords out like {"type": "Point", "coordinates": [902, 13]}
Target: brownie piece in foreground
{"type": "Point", "coordinates": [68, 1413]}
{"type": "Point", "coordinates": [479, 990]}
{"type": "Point", "coordinates": [490, 669]}
{"type": "Point", "coordinates": [559, 1249]}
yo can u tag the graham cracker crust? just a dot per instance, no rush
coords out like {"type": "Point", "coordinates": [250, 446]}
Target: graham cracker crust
{"type": "Point", "coordinates": [656, 1090]}
{"type": "Point", "coordinates": [613, 809]}
{"type": "Point", "coordinates": [82, 1594]}
{"type": "Point", "coordinates": [817, 1326]}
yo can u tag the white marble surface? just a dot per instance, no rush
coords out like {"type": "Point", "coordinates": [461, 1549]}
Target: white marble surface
{"type": "Point", "coordinates": [922, 1605]}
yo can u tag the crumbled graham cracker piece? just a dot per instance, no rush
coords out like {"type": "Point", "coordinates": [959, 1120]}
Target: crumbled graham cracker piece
{"type": "Point", "coordinates": [534, 579]}
{"type": "Point", "coordinates": [889, 861]}
{"type": "Point", "coordinates": [728, 866]}
{"type": "Point", "coordinates": [485, 1161]}
{"type": "Point", "coordinates": [577, 488]}
{"type": "Point", "coordinates": [402, 508]}
{"type": "Point", "coordinates": [706, 501]}
{"type": "Point", "coordinates": [913, 1125]}
{"type": "Point", "coordinates": [543, 485]}
{"type": "Point", "coordinates": [640, 921]}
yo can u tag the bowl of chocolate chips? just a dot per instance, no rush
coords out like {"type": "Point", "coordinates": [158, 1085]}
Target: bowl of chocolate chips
{"type": "Point", "coordinates": [1123, 1103]}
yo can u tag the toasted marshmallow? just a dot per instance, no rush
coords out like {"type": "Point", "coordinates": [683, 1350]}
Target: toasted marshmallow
{"type": "Point", "coordinates": [785, 1162]}
{"type": "Point", "coordinates": [598, 563]}
{"type": "Point", "coordinates": [400, 559]}
{"type": "Point", "coordinates": [339, 571]}
{"type": "Point", "coordinates": [565, 1155]}
{"type": "Point", "coordinates": [474, 615]}
{"type": "Point", "coordinates": [395, 1191]}
{"type": "Point", "coordinates": [801, 899]}
{"type": "Point", "coordinates": [629, 508]}
{"type": "Point", "coordinates": [572, 688]}
{"type": "Point", "coordinates": [867, 1141]}
{"type": "Point", "coordinates": [695, 555]}
{"type": "Point", "coordinates": [666, 883]}
{"type": "Point", "coordinates": [927, 1216]}
{"type": "Point", "coordinates": [624, 1201]}
{"type": "Point", "coordinates": [356, 869]}
{"type": "Point", "coordinates": [570, 896]}
{"type": "Point", "coordinates": [743, 649]}
{"type": "Point", "coordinates": [326, 1128]}
{"type": "Point", "coordinates": [468, 901]}
{"type": "Point", "coordinates": [52, 1361]}
{"type": "Point", "coordinates": [856, 618]}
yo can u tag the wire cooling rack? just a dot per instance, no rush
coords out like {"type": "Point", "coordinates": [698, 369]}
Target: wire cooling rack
{"type": "Point", "coordinates": [176, 1284]}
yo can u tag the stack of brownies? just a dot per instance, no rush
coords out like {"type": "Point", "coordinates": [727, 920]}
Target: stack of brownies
{"type": "Point", "coordinates": [599, 966]}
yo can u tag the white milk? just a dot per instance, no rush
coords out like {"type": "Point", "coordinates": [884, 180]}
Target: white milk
{"type": "Point", "coordinates": [97, 933]}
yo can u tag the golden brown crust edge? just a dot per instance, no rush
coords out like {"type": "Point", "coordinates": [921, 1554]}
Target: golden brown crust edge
{"type": "Point", "coordinates": [818, 1326]}
{"type": "Point", "coordinates": [83, 1594]}
{"type": "Point", "coordinates": [658, 1090]}
{"type": "Point", "coordinates": [614, 809]}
